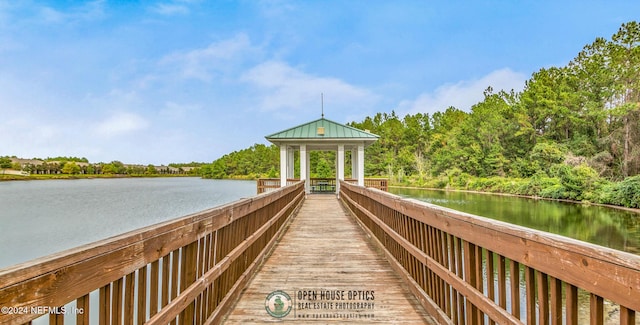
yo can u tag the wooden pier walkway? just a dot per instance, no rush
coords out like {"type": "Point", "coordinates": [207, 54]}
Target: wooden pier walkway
{"type": "Point", "coordinates": [330, 272]}
{"type": "Point", "coordinates": [325, 269]}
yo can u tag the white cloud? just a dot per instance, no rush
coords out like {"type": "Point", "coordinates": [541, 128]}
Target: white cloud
{"type": "Point", "coordinates": [202, 64]}
{"type": "Point", "coordinates": [275, 8]}
{"type": "Point", "coordinates": [178, 111]}
{"type": "Point", "coordinates": [120, 123]}
{"type": "Point", "coordinates": [51, 15]}
{"type": "Point", "coordinates": [463, 94]}
{"type": "Point", "coordinates": [86, 12]}
{"type": "Point", "coordinates": [170, 9]}
{"type": "Point", "coordinates": [286, 88]}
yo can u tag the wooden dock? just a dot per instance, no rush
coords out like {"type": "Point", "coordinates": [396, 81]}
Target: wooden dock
{"type": "Point", "coordinates": [330, 272]}
{"type": "Point", "coordinates": [422, 264]}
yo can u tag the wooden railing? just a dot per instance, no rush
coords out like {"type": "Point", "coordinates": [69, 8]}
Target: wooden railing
{"type": "Point", "coordinates": [321, 185]}
{"type": "Point", "coordinates": [379, 183]}
{"type": "Point", "coordinates": [467, 269]}
{"type": "Point", "coordinates": [187, 270]}
{"type": "Point", "coordinates": [271, 184]}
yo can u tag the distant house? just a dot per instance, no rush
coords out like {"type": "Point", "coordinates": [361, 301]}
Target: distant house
{"type": "Point", "coordinates": [26, 162]}
{"type": "Point", "coordinates": [37, 166]}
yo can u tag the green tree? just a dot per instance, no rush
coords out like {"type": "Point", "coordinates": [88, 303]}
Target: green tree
{"type": "Point", "coordinates": [151, 170]}
{"type": "Point", "coordinates": [109, 169]}
{"type": "Point", "coordinates": [323, 170]}
{"type": "Point", "coordinates": [625, 63]}
{"type": "Point", "coordinates": [5, 162]}
{"type": "Point", "coordinates": [118, 167]}
{"type": "Point", "coordinates": [546, 154]}
{"type": "Point", "coordinates": [71, 168]}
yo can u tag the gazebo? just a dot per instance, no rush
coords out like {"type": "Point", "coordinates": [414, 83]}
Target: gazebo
{"type": "Point", "coordinates": [323, 135]}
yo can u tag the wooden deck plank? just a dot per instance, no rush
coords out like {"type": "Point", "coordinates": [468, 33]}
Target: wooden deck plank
{"type": "Point", "coordinates": [324, 249]}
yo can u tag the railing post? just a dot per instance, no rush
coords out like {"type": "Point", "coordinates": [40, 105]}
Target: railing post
{"type": "Point", "coordinates": [189, 269]}
{"type": "Point", "coordinates": [627, 316]}
{"type": "Point", "coordinates": [514, 273]}
{"type": "Point", "coordinates": [470, 276]}
{"type": "Point", "coordinates": [572, 304]}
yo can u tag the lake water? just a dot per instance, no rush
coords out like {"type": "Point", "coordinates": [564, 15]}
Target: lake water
{"type": "Point", "coordinates": [38, 218]}
{"type": "Point", "coordinates": [609, 227]}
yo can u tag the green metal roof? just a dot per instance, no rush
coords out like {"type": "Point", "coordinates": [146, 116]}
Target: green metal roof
{"type": "Point", "coordinates": [332, 130]}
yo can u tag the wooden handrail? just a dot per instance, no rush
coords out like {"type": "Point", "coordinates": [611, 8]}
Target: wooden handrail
{"type": "Point", "coordinates": [192, 266]}
{"type": "Point", "coordinates": [378, 183]}
{"type": "Point", "coordinates": [265, 185]}
{"type": "Point", "coordinates": [269, 184]}
{"type": "Point", "coordinates": [449, 257]}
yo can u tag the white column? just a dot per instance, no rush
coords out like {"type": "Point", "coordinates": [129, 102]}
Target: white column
{"type": "Point", "coordinates": [354, 163]}
{"type": "Point", "coordinates": [361, 164]}
{"type": "Point", "coordinates": [290, 163]}
{"type": "Point", "coordinates": [340, 167]}
{"type": "Point", "coordinates": [340, 170]}
{"type": "Point", "coordinates": [303, 165]}
{"type": "Point", "coordinates": [308, 159]}
{"type": "Point", "coordinates": [283, 165]}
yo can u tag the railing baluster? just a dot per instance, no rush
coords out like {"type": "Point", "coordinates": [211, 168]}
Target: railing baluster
{"type": "Point", "coordinates": [502, 282]}
{"type": "Point", "coordinates": [82, 305]}
{"type": "Point", "coordinates": [453, 313]}
{"type": "Point", "coordinates": [444, 238]}
{"type": "Point", "coordinates": [116, 301]}
{"type": "Point", "coordinates": [530, 292]}
{"type": "Point", "coordinates": [175, 284]}
{"type": "Point", "coordinates": [543, 298]}
{"type": "Point", "coordinates": [571, 304]}
{"type": "Point", "coordinates": [434, 254]}
{"type": "Point", "coordinates": [479, 280]}
{"type": "Point", "coordinates": [166, 280]}
{"type": "Point", "coordinates": [104, 308]}
{"type": "Point", "coordinates": [514, 273]}
{"type": "Point", "coordinates": [555, 292]}
{"type": "Point", "coordinates": [56, 318]}
{"type": "Point", "coordinates": [491, 291]}
{"type": "Point", "coordinates": [597, 310]}
{"type": "Point", "coordinates": [128, 299]}
{"type": "Point", "coordinates": [627, 316]}
{"type": "Point", "coordinates": [142, 295]}
{"type": "Point", "coordinates": [460, 273]}
{"type": "Point", "coordinates": [187, 277]}
{"type": "Point", "coordinates": [470, 277]}
{"type": "Point", "coordinates": [153, 288]}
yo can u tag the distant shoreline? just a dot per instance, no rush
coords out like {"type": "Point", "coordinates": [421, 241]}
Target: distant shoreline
{"type": "Point", "coordinates": [40, 177]}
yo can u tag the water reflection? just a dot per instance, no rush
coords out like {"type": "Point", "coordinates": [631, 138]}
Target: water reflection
{"type": "Point", "coordinates": [614, 228]}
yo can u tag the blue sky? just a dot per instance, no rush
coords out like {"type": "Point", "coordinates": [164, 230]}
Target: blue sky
{"type": "Point", "coordinates": [155, 82]}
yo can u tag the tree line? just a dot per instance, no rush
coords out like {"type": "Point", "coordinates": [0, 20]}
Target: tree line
{"type": "Point", "coordinates": [573, 132]}
{"type": "Point", "coordinates": [82, 166]}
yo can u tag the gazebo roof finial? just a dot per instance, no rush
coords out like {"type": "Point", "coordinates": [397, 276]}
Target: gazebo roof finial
{"type": "Point", "coordinates": [322, 103]}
